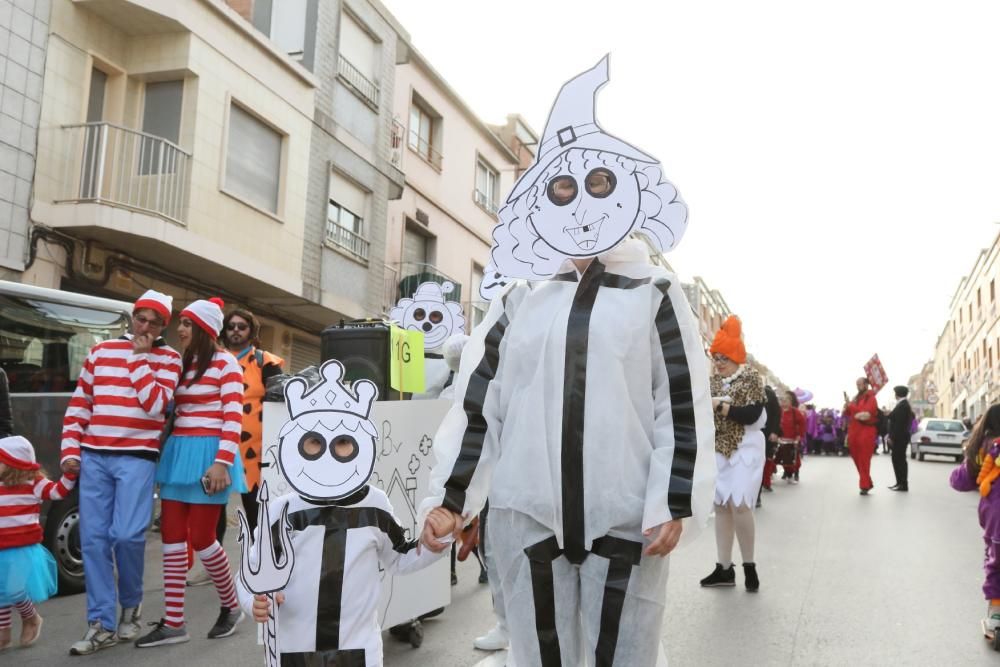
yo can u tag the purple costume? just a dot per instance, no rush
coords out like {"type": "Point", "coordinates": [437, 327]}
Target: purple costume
{"type": "Point", "coordinates": [989, 519]}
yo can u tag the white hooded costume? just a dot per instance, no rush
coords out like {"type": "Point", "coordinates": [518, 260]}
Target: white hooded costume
{"type": "Point", "coordinates": [429, 312]}
{"type": "Point", "coordinates": [582, 403]}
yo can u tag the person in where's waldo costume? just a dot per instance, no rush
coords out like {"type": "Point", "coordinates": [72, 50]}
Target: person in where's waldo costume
{"type": "Point", "coordinates": [582, 404]}
{"type": "Point", "coordinates": [739, 402]}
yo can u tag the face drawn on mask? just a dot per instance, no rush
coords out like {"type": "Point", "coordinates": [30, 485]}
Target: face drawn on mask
{"type": "Point", "coordinates": [327, 448]}
{"type": "Point", "coordinates": [493, 283]}
{"type": "Point", "coordinates": [585, 193]}
{"type": "Point", "coordinates": [429, 313]}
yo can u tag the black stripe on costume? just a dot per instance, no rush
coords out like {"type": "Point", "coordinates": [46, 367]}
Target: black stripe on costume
{"type": "Point", "coordinates": [613, 280]}
{"type": "Point", "coordinates": [615, 587]}
{"type": "Point", "coordinates": [475, 432]}
{"type": "Point", "coordinates": [681, 406]}
{"type": "Point", "coordinates": [573, 410]}
{"type": "Point", "coordinates": [540, 557]}
{"type": "Point", "coordinates": [345, 658]}
{"type": "Point", "coordinates": [331, 590]}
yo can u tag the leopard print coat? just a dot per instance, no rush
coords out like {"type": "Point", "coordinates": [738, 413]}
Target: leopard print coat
{"type": "Point", "coordinates": [746, 389]}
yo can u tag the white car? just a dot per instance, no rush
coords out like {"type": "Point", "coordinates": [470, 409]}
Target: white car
{"type": "Point", "coordinates": [939, 437]}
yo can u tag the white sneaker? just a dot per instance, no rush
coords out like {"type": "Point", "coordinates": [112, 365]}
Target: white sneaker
{"type": "Point", "coordinates": [130, 623]}
{"type": "Point", "coordinates": [494, 640]}
{"type": "Point", "coordinates": [992, 620]}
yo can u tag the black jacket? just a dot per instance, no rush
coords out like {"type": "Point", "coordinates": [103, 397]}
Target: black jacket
{"type": "Point", "coordinates": [773, 407]}
{"type": "Point", "coordinates": [6, 415]}
{"type": "Point", "coordinates": [900, 420]}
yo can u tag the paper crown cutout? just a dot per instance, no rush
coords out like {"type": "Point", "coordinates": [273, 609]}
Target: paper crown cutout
{"type": "Point", "coordinates": [330, 395]}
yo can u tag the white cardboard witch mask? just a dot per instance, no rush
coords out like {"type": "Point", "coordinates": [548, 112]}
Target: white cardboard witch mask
{"type": "Point", "coordinates": [428, 312]}
{"type": "Point", "coordinates": [585, 193]}
{"type": "Point", "coordinates": [327, 449]}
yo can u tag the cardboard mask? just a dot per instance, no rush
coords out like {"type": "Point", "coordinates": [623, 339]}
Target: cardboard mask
{"type": "Point", "coordinates": [585, 193]}
{"type": "Point", "coordinates": [428, 312]}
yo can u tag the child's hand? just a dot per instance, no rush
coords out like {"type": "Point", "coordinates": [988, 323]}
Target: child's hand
{"type": "Point", "coordinates": [262, 606]}
{"type": "Point", "coordinates": [440, 523]}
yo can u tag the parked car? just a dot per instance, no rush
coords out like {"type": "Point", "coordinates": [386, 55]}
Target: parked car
{"type": "Point", "coordinates": [938, 437]}
{"type": "Point", "coordinates": [45, 336]}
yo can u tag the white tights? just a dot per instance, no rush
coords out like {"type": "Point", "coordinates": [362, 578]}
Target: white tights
{"type": "Point", "coordinates": [734, 521]}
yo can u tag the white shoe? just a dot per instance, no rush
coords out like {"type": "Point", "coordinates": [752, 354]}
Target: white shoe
{"type": "Point", "coordinates": [130, 624]}
{"type": "Point", "coordinates": [494, 640]}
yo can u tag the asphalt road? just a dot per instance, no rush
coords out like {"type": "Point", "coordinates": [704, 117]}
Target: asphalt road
{"type": "Point", "coordinates": [889, 579]}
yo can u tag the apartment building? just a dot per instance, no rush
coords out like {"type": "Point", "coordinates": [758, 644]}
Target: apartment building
{"type": "Point", "coordinates": [24, 35]}
{"type": "Point", "coordinates": [173, 153]}
{"type": "Point", "coordinates": [458, 170]}
{"type": "Point", "coordinates": [966, 363]}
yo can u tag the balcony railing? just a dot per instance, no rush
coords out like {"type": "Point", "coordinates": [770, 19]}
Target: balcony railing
{"type": "Point", "coordinates": [390, 291]}
{"type": "Point", "coordinates": [115, 165]}
{"type": "Point", "coordinates": [485, 201]}
{"type": "Point", "coordinates": [361, 84]}
{"type": "Point", "coordinates": [424, 149]}
{"type": "Point", "coordinates": [412, 274]}
{"type": "Point", "coordinates": [343, 237]}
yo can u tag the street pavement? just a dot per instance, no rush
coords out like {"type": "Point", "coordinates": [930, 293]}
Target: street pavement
{"type": "Point", "coordinates": [889, 579]}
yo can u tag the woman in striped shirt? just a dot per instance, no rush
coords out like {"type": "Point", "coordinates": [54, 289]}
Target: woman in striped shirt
{"type": "Point", "coordinates": [199, 468]}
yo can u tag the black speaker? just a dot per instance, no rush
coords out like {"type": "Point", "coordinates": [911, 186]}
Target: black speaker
{"type": "Point", "coordinates": [363, 348]}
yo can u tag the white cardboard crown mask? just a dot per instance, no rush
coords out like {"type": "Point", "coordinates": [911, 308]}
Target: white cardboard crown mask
{"type": "Point", "coordinates": [585, 193]}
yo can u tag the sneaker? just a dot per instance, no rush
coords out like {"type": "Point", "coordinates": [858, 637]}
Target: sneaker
{"type": "Point", "coordinates": [864, 492]}
{"type": "Point", "coordinates": [750, 577]}
{"type": "Point", "coordinates": [199, 578]}
{"type": "Point", "coordinates": [31, 630]}
{"type": "Point", "coordinates": [483, 577]}
{"type": "Point", "coordinates": [769, 489]}
{"type": "Point", "coordinates": [95, 639]}
{"type": "Point", "coordinates": [130, 623]}
{"type": "Point", "coordinates": [795, 477]}
{"type": "Point", "coordinates": [225, 625]}
{"type": "Point", "coordinates": [720, 577]}
{"type": "Point", "coordinates": [494, 640]}
{"type": "Point", "coordinates": [757, 506]}
{"type": "Point", "coordinates": [163, 634]}
{"type": "Point", "coordinates": [992, 621]}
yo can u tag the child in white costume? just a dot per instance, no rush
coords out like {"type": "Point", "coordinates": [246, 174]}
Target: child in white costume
{"type": "Point", "coordinates": [582, 404]}
{"type": "Point", "coordinates": [342, 529]}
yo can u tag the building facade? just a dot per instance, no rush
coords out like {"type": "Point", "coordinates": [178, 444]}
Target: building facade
{"type": "Point", "coordinates": [966, 365]}
{"type": "Point", "coordinates": [24, 36]}
{"type": "Point", "coordinates": [457, 172]}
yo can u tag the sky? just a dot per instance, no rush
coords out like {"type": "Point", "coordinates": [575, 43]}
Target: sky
{"type": "Point", "coordinates": [840, 160]}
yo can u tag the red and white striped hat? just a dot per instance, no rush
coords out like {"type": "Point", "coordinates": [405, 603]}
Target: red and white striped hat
{"type": "Point", "coordinates": [207, 314]}
{"type": "Point", "coordinates": [17, 452]}
{"type": "Point", "coordinates": [157, 301]}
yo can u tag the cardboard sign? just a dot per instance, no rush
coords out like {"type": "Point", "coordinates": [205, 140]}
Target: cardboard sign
{"type": "Point", "coordinates": [406, 362]}
{"type": "Point", "coordinates": [876, 374]}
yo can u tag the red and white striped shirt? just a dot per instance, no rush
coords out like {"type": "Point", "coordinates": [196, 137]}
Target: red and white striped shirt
{"type": "Point", "coordinates": [120, 400]}
{"type": "Point", "coordinates": [20, 505]}
{"type": "Point", "coordinates": [213, 406]}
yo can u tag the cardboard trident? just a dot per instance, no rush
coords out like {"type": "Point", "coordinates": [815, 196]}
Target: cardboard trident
{"type": "Point", "coordinates": [262, 570]}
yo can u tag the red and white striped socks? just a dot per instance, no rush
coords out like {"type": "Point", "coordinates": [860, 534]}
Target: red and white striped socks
{"type": "Point", "coordinates": [217, 565]}
{"type": "Point", "coordinates": [175, 560]}
{"type": "Point", "coordinates": [25, 608]}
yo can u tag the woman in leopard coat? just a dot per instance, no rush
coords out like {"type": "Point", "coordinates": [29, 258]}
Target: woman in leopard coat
{"type": "Point", "coordinates": [738, 398]}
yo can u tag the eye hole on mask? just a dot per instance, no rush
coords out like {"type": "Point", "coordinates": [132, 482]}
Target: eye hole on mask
{"type": "Point", "coordinates": [344, 448]}
{"type": "Point", "coordinates": [436, 317]}
{"type": "Point", "coordinates": [311, 446]}
{"type": "Point", "coordinates": [419, 314]}
{"type": "Point", "coordinates": [600, 183]}
{"type": "Point", "coordinates": [562, 190]}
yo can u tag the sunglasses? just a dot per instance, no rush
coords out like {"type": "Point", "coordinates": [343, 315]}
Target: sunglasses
{"type": "Point", "coordinates": [237, 326]}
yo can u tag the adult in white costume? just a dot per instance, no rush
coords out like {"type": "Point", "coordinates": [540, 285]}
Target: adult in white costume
{"type": "Point", "coordinates": [582, 403]}
{"type": "Point", "coordinates": [739, 401]}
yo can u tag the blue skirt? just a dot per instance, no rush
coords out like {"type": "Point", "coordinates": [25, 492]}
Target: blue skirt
{"type": "Point", "coordinates": [27, 573]}
{"type": "Point", "coordinates": [183, 463]}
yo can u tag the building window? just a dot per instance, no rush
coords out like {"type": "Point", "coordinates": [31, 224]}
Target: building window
{"type": "Point", "coordinates": [478, 307]}
{"type": "Point", "coordinates": [993, 291]}
{"type": "Point", "coordinates": [161, 117]}
{"type": "Point", "coordinates": [253, 160]}
{"type": "Point", "coordinates": [487, 186]}
{"type": "Point", "coordinates": [358, 59]}
{"type": "Point", "coordinates": [425, 131]}
{"type": "Point", "coordinates": [288, 26]}
{"type": "Point", "coordinates": [345, 220]}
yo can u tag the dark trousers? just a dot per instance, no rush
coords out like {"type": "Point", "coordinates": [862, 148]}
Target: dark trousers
{"type": "Point", "coordinates": [899, 464]}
